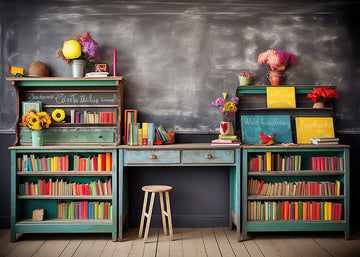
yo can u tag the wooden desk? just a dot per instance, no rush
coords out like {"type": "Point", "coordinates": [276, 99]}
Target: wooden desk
{"type": "Point", "coordinates": [183, 155]}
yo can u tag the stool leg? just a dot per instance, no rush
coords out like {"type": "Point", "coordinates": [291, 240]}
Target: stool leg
{"type": "Point", "coordinates": [169, 214]}
{"type": "Point", "coordinates": [149, 216]}
{"type": "Point", "coordinates": [143, 214]}
{"type": "Point", "coordinates": [163, 212]}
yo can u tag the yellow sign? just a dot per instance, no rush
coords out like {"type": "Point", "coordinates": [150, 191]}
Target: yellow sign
{"type": "Point", "coordinates": [307, 127]}
{"type": "Point", "coordinates": [280, 97]}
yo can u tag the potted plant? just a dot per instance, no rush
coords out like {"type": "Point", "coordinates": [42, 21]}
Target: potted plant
{"type": "Point", "coordinates": [36, 122]}
{"type": "Point", "coordinates": [321, 95]}
{"type": "Point", "coordinates": [275, 63]}
{"type": "Point", "coordinates": [245, 78]}
{"type": "Point", "coordinates": [228, 110]}
{"type": "Point", "coordinates": [78, 52]}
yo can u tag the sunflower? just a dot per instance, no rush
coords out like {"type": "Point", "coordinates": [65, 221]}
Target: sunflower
{"type": "Point", "coordinates": [58, 114]}
{"type": "Point", "coordinates": [33, 119]}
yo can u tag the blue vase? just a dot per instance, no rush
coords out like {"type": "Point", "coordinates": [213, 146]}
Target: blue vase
{"type": "Point", "coordinates": [37, 137]}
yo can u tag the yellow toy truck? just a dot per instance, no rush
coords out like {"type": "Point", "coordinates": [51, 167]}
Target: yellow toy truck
{"type": "Point", "coordinates": [16, 71]}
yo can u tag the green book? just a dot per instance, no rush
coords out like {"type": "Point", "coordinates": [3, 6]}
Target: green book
{"type": "Point", "coordinates": [274, 210]}
{"type": "Point", "coordinates": [66, 211]}
{"type": "Point", "coordinates": [102, 210]}
{"type": "Point", "coordinates": [300, 210]}
{"type": "Point", "coordinates": [88, 161]}
{"type": "Point", "coordinates": [76, 157]}
{"type": "Point", "coordinates": [296, 162]}
{"type": "Point", "coordinates": [93, 188]}
{"type": "Point", "coordinates": [322, 213]}
{"type": "Point", "coordinates": [299, 163]}
{"type": "Point", "coordinates": [279, 210]}
{"type": "Point", "coordinates": [72, 208]}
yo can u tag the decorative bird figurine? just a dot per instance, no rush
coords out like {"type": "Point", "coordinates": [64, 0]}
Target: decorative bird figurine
{"type": "Point", "coordinates": [268, 139]}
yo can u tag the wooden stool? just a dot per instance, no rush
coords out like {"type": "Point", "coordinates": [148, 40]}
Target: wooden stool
{"type": "Point", "coordinates": [156, 189]}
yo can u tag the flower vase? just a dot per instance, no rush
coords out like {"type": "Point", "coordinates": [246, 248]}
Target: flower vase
{"type": "Point", "coordinates": [37, 137]}
{"type": "Point", "coordinates": [319, 105]}
{"type": "Point", "coordinates": [226, 128]}
{"type": "Point", "coordinates": [77, 68]}
{"type": "Point", "coordinates": [276, 77]}
{"type": "Point", "coordinates": [244, 81]}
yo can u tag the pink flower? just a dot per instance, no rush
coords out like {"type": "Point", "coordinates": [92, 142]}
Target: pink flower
{"type": "Point", "coordinates": [292, 59]}
{"type": "Point", "coordinates": [274, 60]}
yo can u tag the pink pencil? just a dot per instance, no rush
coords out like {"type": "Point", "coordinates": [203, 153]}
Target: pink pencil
{"type": "Point", "coordinates": [114, 62]}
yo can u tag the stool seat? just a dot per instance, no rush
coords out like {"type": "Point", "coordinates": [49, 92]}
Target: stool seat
{"type": "Point", "coordinates": [156, 188]}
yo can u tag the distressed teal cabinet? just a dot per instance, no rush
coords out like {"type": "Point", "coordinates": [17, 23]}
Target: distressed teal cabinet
{"type": "Point", "coordinates": [260, 209]}
{"type": "Point", "coordinates": [49, 185]}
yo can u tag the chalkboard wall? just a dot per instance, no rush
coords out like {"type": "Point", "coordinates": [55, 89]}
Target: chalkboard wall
{"type": "Point", "coordinates": [177, 57]}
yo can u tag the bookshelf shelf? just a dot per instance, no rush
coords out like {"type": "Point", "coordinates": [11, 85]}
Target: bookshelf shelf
{"type": "Point", "coordinates": [302, 198]}
{"type": "Point", "coordinates": [30, 191]}
{"type": "Point", "coordinates": [296, 173]}
{"type": "Point", "coordinates": [64, 173]}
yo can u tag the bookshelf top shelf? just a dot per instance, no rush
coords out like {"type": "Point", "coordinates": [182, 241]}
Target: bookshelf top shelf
{"type": "Point", "coordinates": [296, 197]}
{"type": "Point", "coordinates": [62, 78]}
{"type": "Point", "coordinates": [293, 146]}
{"type": "Point", "coordinates": [56, 221]}
{"type": "Point", "coordinates": [295, 173]}
{"type": "Point", "coordinates": [64, 173]}
{"type": "Point", "coordinates": [71, 197]}
{"type": "Point", "coordinates": [299, 89]}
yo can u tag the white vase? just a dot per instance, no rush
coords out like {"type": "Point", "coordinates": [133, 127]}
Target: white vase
{"type": "Point", "coordinates": [77, 68]}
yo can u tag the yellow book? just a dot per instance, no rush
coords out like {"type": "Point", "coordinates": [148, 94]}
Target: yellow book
{"type": "Point", "coordinates": [296, 210]}
{"type": "Point", "coordinates": [337, 187]}
{"type": "Point", "coordinates": [56, 163]}
{"type": "Point", "coordinates": [108, 162]}
{"type": "Point", "coordinates": [326, 213]}
{"type": "Point", "coordinates": [145, 133]}
{"type": "Point", "coordinates": [140, 136]}
{"type": "Point", "coordinates": [111, 212]}
{"type": "Point", "coordinates": [51, 164]}
{"type": "Point", "coordinates": [36, 189]}
{"type": "Point", "coordinates": [99, 162]}
{"type": "Point", "coordinates": [268, 161]}
{"type": "Point", "coordinates": [330, 211]}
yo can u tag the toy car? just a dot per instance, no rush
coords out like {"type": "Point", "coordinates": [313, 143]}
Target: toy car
{"type": "Point", "coordinates": [16, 71]}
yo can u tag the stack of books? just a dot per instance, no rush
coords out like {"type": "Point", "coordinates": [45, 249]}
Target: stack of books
{"type": "Point", "coordinates": [324, 140]}
{"type": "Point", "coordinates": [226, 140]}
{"type": "Point", "coordinates": [96, 74]}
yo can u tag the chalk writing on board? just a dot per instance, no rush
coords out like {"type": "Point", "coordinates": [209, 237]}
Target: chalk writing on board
{"type": "Point", "coordinates": [102, 98]}
{"type": "Point", "coordinates": [280, 97]}
{"type": "Point", "coordinates": [252, 125]}
{"type": "Point", "coordinates": [307, 127]}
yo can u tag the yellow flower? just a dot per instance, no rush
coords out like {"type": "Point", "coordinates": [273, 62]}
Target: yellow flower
{"type": "Point", "coordinates": [58, 115]}
{"type": "Point", "coordinates": [230, 107]}
{"type": "Point", "coordinates": [71, 49]}
{"type": "Point", "coordinates": [36, 126]}
{"type": "Point", "coordinates": [33, 119]}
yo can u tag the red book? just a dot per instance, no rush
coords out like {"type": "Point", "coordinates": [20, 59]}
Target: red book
{"type": "Point", "coordinates": [311, 188]}
{"type": "Point", "coordinates": [333, 211]}
{"type": "Point", "coordinates": [282, 209]}
{"type": "Point", "coordinates": [318, 163]}
{"type": "Point", "coordinates": [67, 163]}
{"type": "Point", "coordinates": [111, 117]}
{"type": "Point", "coordinates": [81, 210]}
{"type": "Point", "coordinates": [60, 163]}
{"type": "Point", "coordinates": [87, 189]}
{"type": "Point", "coordinates": [286, 210]}
{"type": "Point", "coordinates": [339, 211]}
{"type": "Point", "coordinates": [333, 191]}
{"type": "Point", "coordinates": [97, 188]}
{"type": "Point", "coordinates": [145, 141]}
{"type": "Point", "coordinates": [102, 117]}
{"type": "Point", "coordinates": [260, 187]}
{"type": "Point", "coordinates": [109, 187]}
{"type": "Point", "coordinates": [318, 211]}
{"type": "Point", "coordinates": [86, 210]}
{"type": "Point", "coordinates": [106, 117]}
{"type": "Point", "coordinates": [47, 187]}
{"type": "Point", "coordinates": [43, 163]}
{"type": "Point", "coordinates": [103, 162]}
{"type": "Point", "coordinates": [94, 162]}
{"type": "Point", "coordinates": [322, 163]}
{"type": "Point", "coordinates": [106, 211]}
{"type": "Point", "coordinates": [316, 188]}
{"type": "Point", "coordinates": [332, 164]}
{"type": "Point", "coordinates": [253, 164]}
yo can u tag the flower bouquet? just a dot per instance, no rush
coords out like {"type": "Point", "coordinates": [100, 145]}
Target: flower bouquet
{"type": "Point", "coordinates": [322, 95]}
{"type": "Point", "coordinates": [245, 78]}
{"type": "Point", "coordinates": [275, 63]}
{"type": "Point", "coordinates": [228, 111]}
{"type": "Point", "coordinates": [36, 122]}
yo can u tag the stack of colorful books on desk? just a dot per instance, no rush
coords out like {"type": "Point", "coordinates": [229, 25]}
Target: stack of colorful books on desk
{"type": "Point", "coordinates": [324, 140]}
{"type": "Point", "coordinates": [226, 140]}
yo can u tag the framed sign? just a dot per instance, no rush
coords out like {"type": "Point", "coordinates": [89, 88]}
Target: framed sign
{"type": "Point", "coordinates": [251, 125]}
{"type": "Point", "coordinates": [26, 106]}
{"type": "Point", "coordinates": [307, 127]}
{"type": "Point", "coordinates": [281, 97]}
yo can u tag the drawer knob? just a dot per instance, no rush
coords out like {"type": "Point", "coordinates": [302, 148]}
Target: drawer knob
{"type": "Point", "coordinates": [208, 156]}
{"type": "Point", "coordinates": [100, 136]}
{"type": "Point", "coordinates": [153, 157]}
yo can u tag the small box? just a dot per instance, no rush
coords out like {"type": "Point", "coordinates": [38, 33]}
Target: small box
{"type": "Point", "coordinates": [101, 67]}
{"type": "Point", "coordinates": [38, 214]}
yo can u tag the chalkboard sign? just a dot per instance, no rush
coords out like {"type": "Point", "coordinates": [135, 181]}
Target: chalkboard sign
{"type": "Point", "coordinates": [251, 125]}
{"type": "Point", "coordinates": [280, 97]}
{"type": "Point", "coordinates": [72, 98]}
{"type": "Point", "coordinates": [307, 127]}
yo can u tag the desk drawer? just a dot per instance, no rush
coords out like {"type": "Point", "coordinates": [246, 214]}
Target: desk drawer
{"type": "Point", "coordinates": [151, 157]}
{"type": "Point", "coordinates": [208, 156]}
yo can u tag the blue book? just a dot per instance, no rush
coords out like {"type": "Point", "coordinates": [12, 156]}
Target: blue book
{"type": "Point", "coordinates": [25, 158]}
{"type": "Point", "coordinates": [151, 134]}
{"type": "Point", "coordinates": [81, 118]}
{"type": "Point", "coordinates": [29, 164]}
{"type": "Point", "coordinates": [90, 210]}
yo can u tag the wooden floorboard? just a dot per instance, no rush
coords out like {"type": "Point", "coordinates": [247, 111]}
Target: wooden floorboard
{"type": "Point", "coordinates": [188, 242]}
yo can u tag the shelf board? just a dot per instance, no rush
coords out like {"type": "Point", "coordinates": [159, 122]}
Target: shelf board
{"type": "Point", "coordinates": [66, 221]}
{"type": "Point", "coordinates": [298, 108]}
{"type": "Point", "coordinates": [67, 124]}
{"type": "Point", "coordinates": [64, 173]}
{"type": "Point", "coordinates": [298, 197]}
{"type": "Point", "coordinates": [63, 197]}
{"type": "Point", "coordinates": [296, 173]}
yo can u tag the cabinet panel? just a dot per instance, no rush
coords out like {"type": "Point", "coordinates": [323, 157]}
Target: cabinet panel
{"type": "Point", "coordinates": [207, 156]}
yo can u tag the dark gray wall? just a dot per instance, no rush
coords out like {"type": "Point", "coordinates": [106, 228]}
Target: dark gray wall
{"type": "Point", "coordinates": [178, 56]}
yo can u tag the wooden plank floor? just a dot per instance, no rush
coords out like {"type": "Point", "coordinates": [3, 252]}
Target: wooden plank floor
{"type": "Point", "coordinates": [188, 242]}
